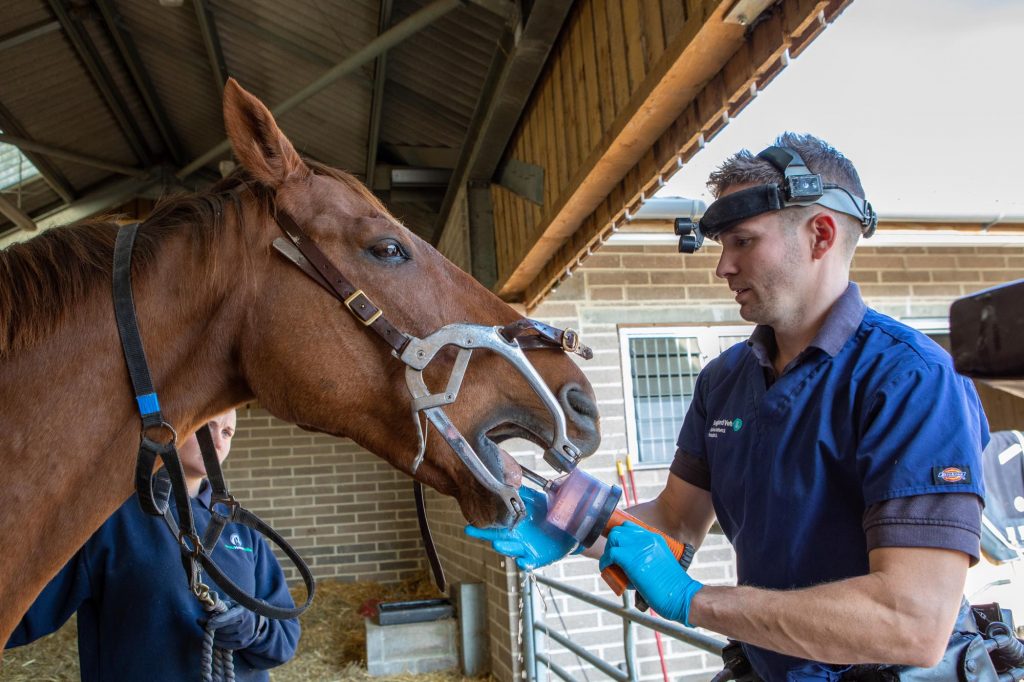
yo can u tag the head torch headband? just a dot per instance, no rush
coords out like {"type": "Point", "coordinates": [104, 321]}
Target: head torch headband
{"type": "Point", "coordinates": [799, 187]}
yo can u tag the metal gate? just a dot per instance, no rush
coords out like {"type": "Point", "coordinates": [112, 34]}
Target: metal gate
{"type": "Point", "coordinates": [533, 659]}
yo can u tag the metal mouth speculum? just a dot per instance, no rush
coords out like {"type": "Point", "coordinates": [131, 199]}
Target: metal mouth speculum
{"type": "Point", "coordinates": [427, 407]}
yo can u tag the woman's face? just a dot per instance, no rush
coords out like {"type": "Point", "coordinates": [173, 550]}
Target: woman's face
{"type": "Point", "coordinates": [222, 428]}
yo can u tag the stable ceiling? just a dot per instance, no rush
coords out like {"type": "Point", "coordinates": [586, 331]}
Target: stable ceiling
{"type": "Point", "coordinates": [111, 99]}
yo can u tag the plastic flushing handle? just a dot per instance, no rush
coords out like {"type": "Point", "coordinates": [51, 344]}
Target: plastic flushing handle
{"type": "Point", "coordinates": [615, 576]}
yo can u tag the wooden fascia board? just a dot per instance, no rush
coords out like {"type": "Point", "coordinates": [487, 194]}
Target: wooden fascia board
{"type": "Point", "coordinates": [693, 57]}
{"type": "Point", "coordinates": [753, 64]}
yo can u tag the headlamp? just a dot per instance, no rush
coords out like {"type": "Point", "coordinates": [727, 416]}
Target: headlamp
{"type": "Point", "coordinates": [799, 187]}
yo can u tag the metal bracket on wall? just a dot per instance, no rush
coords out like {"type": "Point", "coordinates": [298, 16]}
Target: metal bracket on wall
{"type": "Point", "coordinates": [524, 179]}
{"type": "Point", "coordinates": [482, 254]}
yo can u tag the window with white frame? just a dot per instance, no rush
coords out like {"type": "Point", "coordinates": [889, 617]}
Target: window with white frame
{"type": "Point", "coordinates": [659, 369]}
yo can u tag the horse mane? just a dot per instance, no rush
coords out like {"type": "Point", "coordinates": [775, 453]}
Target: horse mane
{"type": "Point", "coordinates": [43, 278]}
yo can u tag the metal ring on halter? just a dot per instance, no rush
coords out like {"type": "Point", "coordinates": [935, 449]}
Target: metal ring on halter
{"type": "Point", "coordinates": [162, 425]}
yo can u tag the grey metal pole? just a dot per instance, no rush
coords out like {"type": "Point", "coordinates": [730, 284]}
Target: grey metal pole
{"type": "Point", "coordinates": [674, 630]}
{"type": "Point", "coordinates": [629, 641]}
{"type": "Point", "coordinates": [57, 153]}
{"type": "Point", "coordinates": [602, 665]}
{"type": "Point", "coordinates": [382, 43]}
{"type": "Point", "coordinates": [555, 668]}
{"type": "Point", "coordinates": [529, 633]}
{"type": "Point", "coordinates": [16, 215]}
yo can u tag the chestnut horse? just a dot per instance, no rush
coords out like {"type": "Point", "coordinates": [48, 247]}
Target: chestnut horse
{"type": "Point", "coordinates": [225, 319]}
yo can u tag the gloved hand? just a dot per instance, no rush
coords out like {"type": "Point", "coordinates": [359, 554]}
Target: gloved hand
{"type": "Point", "coordinates": [653, 569]}
{"type": "Point", "coordinates": [533, 542]}
{"type": "Point", "coordinates": [237, 628]}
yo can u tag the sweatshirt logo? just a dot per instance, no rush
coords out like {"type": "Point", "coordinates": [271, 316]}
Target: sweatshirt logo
{"type": "Point", "coordinates": [723, 426]}
{"type": "Point", "coordinates": [236, 543]}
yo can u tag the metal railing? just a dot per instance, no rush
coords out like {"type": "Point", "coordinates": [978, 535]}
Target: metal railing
{"type": "Point", "coordinates": [631, 617]}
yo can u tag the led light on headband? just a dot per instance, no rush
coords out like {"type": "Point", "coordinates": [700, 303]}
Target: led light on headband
{"type": "Point", "coordinates": [799, 187]}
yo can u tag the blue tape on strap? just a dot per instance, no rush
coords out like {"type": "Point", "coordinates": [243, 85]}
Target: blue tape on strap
{"type": "Point", "coordinates": [148, 404]}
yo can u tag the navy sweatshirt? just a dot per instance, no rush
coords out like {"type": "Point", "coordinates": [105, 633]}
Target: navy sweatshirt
{"type": "Point", "coordinates": [137, 619]}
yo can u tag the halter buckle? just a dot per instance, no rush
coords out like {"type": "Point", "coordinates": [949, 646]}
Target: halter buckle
{"type": "Point", "coordinates": [570, 340]}
{"type": "Point", "coordinates": [360, 310]}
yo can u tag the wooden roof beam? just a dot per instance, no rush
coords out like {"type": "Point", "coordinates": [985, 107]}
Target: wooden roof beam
{"type": "Point", "coordinates": [103, 80]}
{"type": "Point", "coordinates": [211, 40]}
{"type": "Point", "coordinates": [377, 102]}
{"type": "Point", "coordinates": [140, 75]}
{"type": "Point", "coordinates": [53, 177]}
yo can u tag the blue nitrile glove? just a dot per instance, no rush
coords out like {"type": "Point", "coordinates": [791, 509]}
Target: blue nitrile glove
{"type": "Point", "coordinates": [533, 542]}
{"type": "Point", "coordinates": [653, 569]}
{"type": "Point", "coordinates": [237, 628]}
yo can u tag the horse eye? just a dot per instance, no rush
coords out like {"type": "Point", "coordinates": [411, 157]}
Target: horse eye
{"type": "Point", "coordinates": [389, 250]}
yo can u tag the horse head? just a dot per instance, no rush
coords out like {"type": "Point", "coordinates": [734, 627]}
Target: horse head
{"type": "Point", "coordinates": [310, 362]}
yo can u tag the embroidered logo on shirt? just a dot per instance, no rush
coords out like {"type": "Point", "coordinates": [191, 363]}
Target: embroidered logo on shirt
{"type": "Point", "coordinates": [236, 543]}
{"type": "Point", "coordinates": [721, 426]}
{"type": "Point", "coordinates": [951, 474]}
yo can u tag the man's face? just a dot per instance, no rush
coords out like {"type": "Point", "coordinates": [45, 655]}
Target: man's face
{"type": "Point", "coordinates": [222, 427]}
{"type": "Point", "coordinates": [764, 263]}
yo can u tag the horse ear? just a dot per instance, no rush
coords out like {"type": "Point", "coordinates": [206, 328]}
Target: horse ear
{"type": "Point", "coordinates": [257, 141]}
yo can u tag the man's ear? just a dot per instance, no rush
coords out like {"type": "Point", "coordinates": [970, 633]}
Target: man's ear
{"type": "Point", "coordinates": [824, 234]}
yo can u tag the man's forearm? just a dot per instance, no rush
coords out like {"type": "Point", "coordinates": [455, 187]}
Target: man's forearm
{"type": "Point", "coordinates": [859, 620]}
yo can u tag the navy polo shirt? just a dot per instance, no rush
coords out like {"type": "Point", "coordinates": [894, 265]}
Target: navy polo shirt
{"type": "Point", "coordinates": [859, 440]}
{"type": "Point", "coordinates": [137, 619]}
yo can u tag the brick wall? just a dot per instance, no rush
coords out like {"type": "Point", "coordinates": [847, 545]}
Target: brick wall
{"type": "Point", "coordinates": [353, 516]}
{"type": "Point", "coordinates": [348, 513]}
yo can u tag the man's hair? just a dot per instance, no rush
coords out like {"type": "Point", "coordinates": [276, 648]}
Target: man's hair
{"type": "Point", "coordinates": [744, 168]}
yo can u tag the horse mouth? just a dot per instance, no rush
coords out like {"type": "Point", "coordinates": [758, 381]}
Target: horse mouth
{"type": "Point", "coordinates": [500, 463]}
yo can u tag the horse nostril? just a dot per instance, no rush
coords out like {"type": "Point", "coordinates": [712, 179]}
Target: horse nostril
{"type": "Point", "coordinates": [579, 403]}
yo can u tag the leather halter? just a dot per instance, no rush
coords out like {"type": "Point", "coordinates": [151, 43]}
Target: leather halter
{"type": "Point", "coordinates": [195, 551]}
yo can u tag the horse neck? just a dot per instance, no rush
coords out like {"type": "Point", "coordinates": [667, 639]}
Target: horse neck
{"type": "Point", "coordinates": [71, 426]}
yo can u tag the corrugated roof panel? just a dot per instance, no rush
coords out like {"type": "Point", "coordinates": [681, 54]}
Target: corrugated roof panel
{"type": "Point", "coordinates": [171, 48]}
{"type": "Point", "coordinates": [274, 49]}
{"type": "Point", "coordinates": [50, 94]}
{"type": "Point", "coordinates": [436, 76]}
{"type": "Point", "coordinates": [15, 169]}
{"type": "Point", "coordinates": [20, 15]}
{"type": "Point", "coordinates": [330, 125]}
{"type": "Point", "coordinates": [110, 57]}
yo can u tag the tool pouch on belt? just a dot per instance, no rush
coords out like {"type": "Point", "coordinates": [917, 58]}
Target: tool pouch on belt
{"type": "Point", "coordinates": [966, 659]}
{"type": "Point", "coordinates": [737, 667]}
